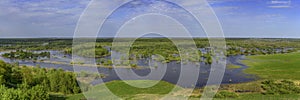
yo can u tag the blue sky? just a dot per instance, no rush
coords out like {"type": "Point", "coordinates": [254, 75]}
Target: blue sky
{"type": "Point", "coordinates": [239, 18]}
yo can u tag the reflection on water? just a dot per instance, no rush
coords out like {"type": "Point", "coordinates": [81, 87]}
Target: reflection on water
{"type": "Point", "coordinates": [172, 70]}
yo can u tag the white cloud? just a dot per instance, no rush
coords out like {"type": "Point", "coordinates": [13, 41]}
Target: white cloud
{"type": "Point", "coordinates": [280, 6]}
{"type": "Point", "coordinates": [279, 3]}
{"type": "Point", "coordinates": [22, 18]}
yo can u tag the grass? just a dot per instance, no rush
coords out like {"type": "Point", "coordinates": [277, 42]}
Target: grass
{"type": "Point", "coordinates": [125, 91]}
{"type": "Point", "coordinates": [75, 97]}
{"type": "Point", "coordinates": [248, 91]}
{"type": "Point", "coordinates": [258, 96]}
{"type": "Point", "coordinates": [231, 66]}
{"type": "Point", "coordinates": [249, 87]}
{"type": "Point", "coordinates": [279, 66]}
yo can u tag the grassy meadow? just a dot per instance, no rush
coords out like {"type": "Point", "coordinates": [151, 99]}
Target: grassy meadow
{"type": "Point", "coordinates": [248, 91]}
{"type": "Point", "coordinates": [278, 66]}
{"type": "Point", "coordinates": [125, 91]}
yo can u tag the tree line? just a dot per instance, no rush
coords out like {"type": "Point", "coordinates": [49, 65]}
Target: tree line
{"type": "Point", "coordinates": [30, 83]}
{"type": "Point", "coordinates": [26, 55]}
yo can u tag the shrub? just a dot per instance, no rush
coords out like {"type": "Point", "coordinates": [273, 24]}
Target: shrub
{"type": "Point", "coordinates": [281, 87]}
{"type": "Point", "coordinates": [226, 94]}
{"type": "Point", "coordinates": [133, 65]}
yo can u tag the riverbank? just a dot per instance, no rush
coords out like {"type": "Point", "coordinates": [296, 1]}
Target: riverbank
{"type": "Point", "coordinates": [283, 65]}
{"type": "Point", "coordinates": [245, 91]}
{"type": "Point", "coordinates": [233, 74]}
{"type": "Point", "coordinates": [278, 71]}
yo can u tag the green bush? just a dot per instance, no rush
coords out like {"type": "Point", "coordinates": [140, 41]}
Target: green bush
{"type": "Point", "coordinates": [281, 87]}
{"type": "Point", "coordinates": [133, 65]}
{"type": "Point", "coordinates": [226, 94]}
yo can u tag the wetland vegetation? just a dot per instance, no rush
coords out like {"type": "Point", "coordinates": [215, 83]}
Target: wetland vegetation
{"type": "Point", "coordinates": [26, 55]}
{"type": "Point", "coordinates": [279, 66]}
{"type": "Point", "coordinates": [274, 61]}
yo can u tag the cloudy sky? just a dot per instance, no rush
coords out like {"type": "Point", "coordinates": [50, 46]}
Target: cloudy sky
{"type": "Point", "coordinates": [239, 18]}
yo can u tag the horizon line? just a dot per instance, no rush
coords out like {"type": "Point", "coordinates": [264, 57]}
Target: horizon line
{"type": "Point", "coordinates": [148, 37]}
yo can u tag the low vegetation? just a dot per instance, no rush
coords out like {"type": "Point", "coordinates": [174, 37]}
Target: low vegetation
{"type": "Point", "coordinates": [275, 61]}
{"type": "Point", "coordinates": [125, 91]}
{"type": "Point", "coordinates": [146, 47]}
{"type": "Point", "coordinates": [278, 66]}
{"type": "Point", "coordinates": [244, 91]}
{"type": "Point", "coordinates": [87, 50]}
{"type": "Point", "coordinates": [226, 94]}
{"type": "Point", "coordinates": [231, 66]}
{"type": "Point", "coordinates": [26, 55]}
{"type": "Point", "coordinates": [281, 87]}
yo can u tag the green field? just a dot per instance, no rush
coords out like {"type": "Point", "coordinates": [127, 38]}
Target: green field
{"type": "Point", "coordinates": [279, 66]}
{"type": "Point", "coordinates": [125, 91]}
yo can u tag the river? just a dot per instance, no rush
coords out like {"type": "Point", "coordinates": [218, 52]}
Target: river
{"type": "Point", "coordinates": [172, 70]}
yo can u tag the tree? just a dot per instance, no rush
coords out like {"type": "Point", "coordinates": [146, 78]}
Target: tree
{"type": "Point", "coordinates": [31, 83]}
{"type": "Point", "coordinates": [11, 94]}
{"type": "Point", "coordinates": [38, 93]}
{"type": "Point", "coordinates": [2, 80]}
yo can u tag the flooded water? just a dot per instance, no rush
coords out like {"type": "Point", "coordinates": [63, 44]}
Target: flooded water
{"type": "Point", "coordinates": [172, 70]}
